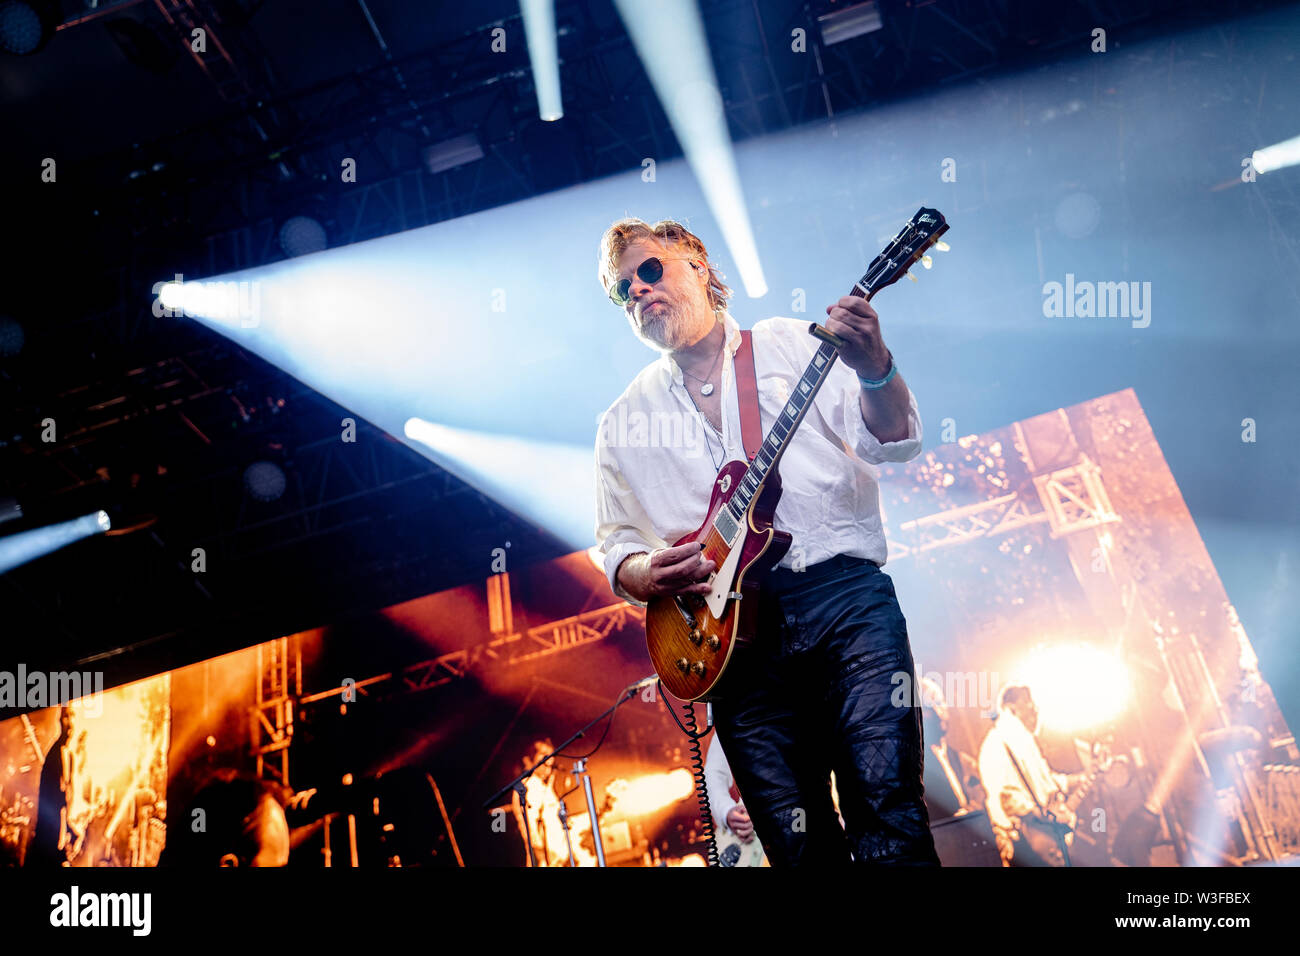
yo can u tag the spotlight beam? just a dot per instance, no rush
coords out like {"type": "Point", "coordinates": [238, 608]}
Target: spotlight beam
{"type": "Point", "coordinates": [543, 54]}
{"type": "Point", "coordinates": [18, 549]}
{"type": "Point", "coordinates": [669, 39]}
{"type": "Point", "coordinates": [1278, 156]}
{"type": "Point", "coordinates": [561, 477]}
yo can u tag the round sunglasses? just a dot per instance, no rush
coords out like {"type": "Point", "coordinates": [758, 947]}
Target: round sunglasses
{"type": "Point", "coordinates": [650, 271]}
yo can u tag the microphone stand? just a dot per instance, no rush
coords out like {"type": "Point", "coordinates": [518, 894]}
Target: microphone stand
{"type": "Point", "coordinates": [517, 784]}
{"type": "Point", "coordinates": [519, 788]}
{"type": "Point", "coordinates": [580, 771]}
{"type": "Point", "coordinates": [563, 814]}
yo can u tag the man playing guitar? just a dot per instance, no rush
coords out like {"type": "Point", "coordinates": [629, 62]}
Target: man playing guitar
{"type": "Point", "coordinates": [812, 692]}
{"type": "Point", "coordinates": [1028, 802]}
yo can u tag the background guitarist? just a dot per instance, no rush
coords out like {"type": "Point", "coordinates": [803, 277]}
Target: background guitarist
{"type": "Point", "coordinates": [812, 693]}
{"type": "Point", "coordinates": [729, 814]}
{"type": "Point", "coordinates": [1026, 798]}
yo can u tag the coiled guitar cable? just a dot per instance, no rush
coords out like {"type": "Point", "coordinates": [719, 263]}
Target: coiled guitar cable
{"type": "Point", "coordinates": [697, 769]}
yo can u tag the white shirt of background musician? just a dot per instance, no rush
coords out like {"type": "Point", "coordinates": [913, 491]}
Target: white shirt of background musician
{"type": "Point", "coordinates": [549, 845]}
{"type": "Point", "coordinates": [1005, 787]}
{"type": "Point", "coordinates": [655, 474]}
{"type": "Point", "coordinates": [718, 781]}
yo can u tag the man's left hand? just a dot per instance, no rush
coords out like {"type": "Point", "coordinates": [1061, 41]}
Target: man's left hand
{"type": "Point", "coordinates": [856, 322]}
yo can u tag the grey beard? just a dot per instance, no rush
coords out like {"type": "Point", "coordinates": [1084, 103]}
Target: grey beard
{"type": "Point", "coordinates": [657, 328]}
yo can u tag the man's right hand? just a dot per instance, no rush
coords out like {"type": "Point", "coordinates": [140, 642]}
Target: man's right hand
{"type": "Point", "coordinates": [668, 571]}
{"type": "Point", "coordinates": [738, 822]}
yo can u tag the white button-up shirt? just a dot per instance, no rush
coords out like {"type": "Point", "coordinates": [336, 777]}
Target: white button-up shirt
{"type": "Point", "coordinates": [657, 457]}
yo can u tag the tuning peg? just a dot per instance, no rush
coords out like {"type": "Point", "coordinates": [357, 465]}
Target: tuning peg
{"type": "Point", "coordinates": [910, 276]}
{"type": "Point", "coordinates": [927, 262]}
{"type": "Point", "coordinates": [942, 246]}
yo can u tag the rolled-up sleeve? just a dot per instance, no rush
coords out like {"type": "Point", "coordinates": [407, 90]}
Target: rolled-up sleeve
{"type": "Point", "coordinates": [838, 404]}
{"type": "Point", "coordinates": [866, 445]}
{"type": "Point", "coordinates": [622, 526]}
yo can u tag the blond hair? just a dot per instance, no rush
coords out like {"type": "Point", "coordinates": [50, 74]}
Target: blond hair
{"type": "Point", "coordinates": [666, 232]}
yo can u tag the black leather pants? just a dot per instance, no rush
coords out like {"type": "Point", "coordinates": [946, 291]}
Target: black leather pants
{"type": "Point", "coordinates": [819, 690]}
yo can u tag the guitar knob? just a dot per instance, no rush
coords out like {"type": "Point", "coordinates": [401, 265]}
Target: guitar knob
{"type": "Point", "coordinates": [682, 665]}
{"type": "Point", "coordinates": [698, 668]}
{"type": "Point", "coordinates": [696, 637]}
{"type": "Point", "coordinates": [715, 642]}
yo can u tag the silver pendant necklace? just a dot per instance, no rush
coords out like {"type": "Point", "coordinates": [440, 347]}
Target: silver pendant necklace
{"type": "Point", "coordinates": [708, 427]}
{"type": "Point", "coordinates": [707, 388]}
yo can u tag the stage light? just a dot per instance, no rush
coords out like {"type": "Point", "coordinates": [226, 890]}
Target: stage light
{"type": "Point", "coordinates": [669, 38]}
{"type": "Point", "coordinates": [539, 27]}
{"type": "Point", "coordinates": [172, 296]}
{"type": "Point", "coordinates": [1076, 686]}
{"type": "Point", "coordinates": [18, 549]}
{"type": "Point", "coordinates": [26, 26]}
{"type": "Point", "coordinates": [1277, 156]}
{"type": "Point", "coordinates": [452, 153]}
{"type": "Point", "coordinates": [264, 481]}
{"type": "Point", "coordinates": [217, 300]}
{"type": "Point", "coordinates": [850, 22]}
{"type": "Point", "coordinates": [301, 236]}
{"type": "Point", "coordinates": [1077, 215]}
{"type": "Point", "coordinates": [10, 510]}
{"type": "Point", "coordinates": [553, 487]}
{"type": "Point", "coordinates": [648, 794]}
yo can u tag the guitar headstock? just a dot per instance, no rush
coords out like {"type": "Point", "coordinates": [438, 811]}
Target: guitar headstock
{"type": "Point", "coordinates": [903, 251]}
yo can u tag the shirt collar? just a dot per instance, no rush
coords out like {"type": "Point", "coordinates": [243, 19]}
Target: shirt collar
{"type": "Point", "coordinates": [674, 372]}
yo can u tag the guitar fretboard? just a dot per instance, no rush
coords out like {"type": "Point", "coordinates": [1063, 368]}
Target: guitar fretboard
{"type": "Point", "coordinates": [778, 438]}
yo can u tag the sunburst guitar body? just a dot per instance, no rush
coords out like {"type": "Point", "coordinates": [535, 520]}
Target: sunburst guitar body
{"type": "Point", "coordinates": [691, 636]}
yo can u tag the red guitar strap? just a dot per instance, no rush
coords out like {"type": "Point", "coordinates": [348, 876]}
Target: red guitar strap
{"type": "Point", "coordinates": [751, 432]}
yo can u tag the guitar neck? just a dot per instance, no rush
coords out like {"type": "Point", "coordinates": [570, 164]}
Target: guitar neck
{"type": "Point", "coordinates": [1076, 798]}
{"type": "Point", "coordinates": [923, 231]}
{"type": "Point", "coordinates": [792, 415]}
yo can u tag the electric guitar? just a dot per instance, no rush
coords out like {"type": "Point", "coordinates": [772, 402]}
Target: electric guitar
{"type": "Point", "coordinates": [1059, 818]}
{"type": "Point", "coordinates": [732, 850]}
{"type": "Point", "coordinates": [691, 636]}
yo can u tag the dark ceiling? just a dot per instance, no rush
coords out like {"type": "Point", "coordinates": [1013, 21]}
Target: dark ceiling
{"type": "Point", "coordinates": [170, 161]}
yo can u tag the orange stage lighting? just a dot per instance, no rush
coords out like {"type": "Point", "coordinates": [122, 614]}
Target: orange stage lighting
{"type": "Point", "coordinates": [644, 795]}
